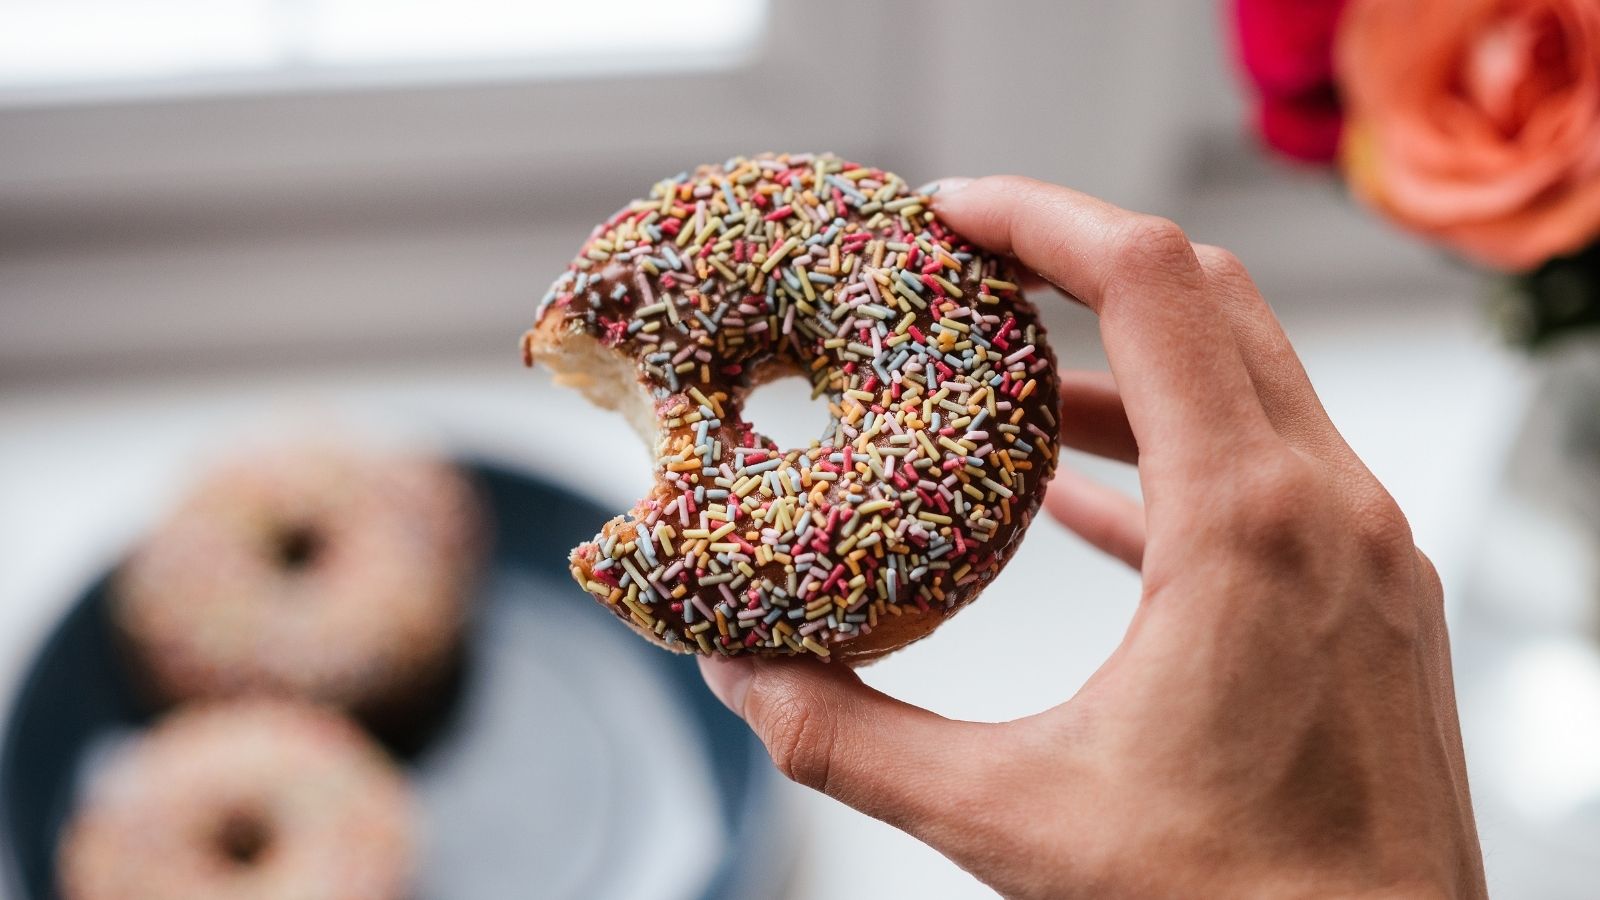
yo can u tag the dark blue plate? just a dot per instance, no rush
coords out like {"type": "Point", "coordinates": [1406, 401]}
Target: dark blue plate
{"type": "Point", "coordinates": [567, 741]}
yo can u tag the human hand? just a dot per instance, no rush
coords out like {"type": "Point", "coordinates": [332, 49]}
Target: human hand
{"type": "Point", "coordinates": [1279, 719]}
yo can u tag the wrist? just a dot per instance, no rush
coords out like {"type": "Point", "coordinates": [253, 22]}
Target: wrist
{"type": "Point", "coordinates": [1393, 872]}
{"type": "Point", "coordinates": [1222, 865]}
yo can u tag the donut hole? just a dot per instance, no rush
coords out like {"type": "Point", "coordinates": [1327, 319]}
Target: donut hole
{"type": "Point", "coordinates": [784, 411]}
{"type": "Point", "coordinates": [243, 837]}
{"type": "Point", "coordinates": [298, 547]}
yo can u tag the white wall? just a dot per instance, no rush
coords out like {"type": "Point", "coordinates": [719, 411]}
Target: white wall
{"type": "Point", "coordinates": [377, 221]}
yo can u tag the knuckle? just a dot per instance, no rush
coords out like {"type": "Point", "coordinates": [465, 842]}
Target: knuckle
{"type": "Point", "coordinates": [1221, 264]}
{"type": "Point", "coordinates": [1382, 535]}
{"type": "Point", "coordinates": [1428, 574]}
{"type": "Point", "coordinates": [1277, 486]}
{"type": "Point", "coordinates": [1153, 244]}
{"type": "Point", "coordinates": [1427, 589]}
{"type": "Point", "coordinates": [1274, 508]}
{"type": "Point", "coordinates": [799, 740]}
{"type": "Point", "coordinates": [1407, 609]}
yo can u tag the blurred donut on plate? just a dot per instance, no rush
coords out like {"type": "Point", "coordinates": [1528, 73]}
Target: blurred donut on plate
{"type": "Point", "coordinates": [253, 799]}
{"type": "Point", "coordinates": [316, 571]}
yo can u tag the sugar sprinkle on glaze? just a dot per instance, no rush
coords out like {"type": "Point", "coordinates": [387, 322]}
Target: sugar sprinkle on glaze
{"type": "Point", "coordinates": [941, 390]}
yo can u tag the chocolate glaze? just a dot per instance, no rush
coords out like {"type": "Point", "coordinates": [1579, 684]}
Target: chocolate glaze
{"type": "Point", "coordinates": [942, 390]}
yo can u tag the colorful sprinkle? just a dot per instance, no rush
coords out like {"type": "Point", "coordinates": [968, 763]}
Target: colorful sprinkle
{"type": "Point", "coordinates": [919, 489]}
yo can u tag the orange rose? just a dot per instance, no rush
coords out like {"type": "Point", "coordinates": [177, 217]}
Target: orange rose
{"type": "Point", "coordinates": [1477, 121]}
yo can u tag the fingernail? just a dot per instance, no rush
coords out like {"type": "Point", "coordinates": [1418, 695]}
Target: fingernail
{"type": "Point", "coordinates": [944, 186]}
{"type": "Point", "coordinates": [728, 679]}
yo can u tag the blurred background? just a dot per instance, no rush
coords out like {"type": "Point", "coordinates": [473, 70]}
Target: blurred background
{"type": "Point", "coordinates": [222, 213]}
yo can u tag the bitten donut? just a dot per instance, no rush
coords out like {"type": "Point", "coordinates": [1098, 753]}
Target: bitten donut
{"type": "Point", "coordinates": [256, 799]}
{"type": "Point", "coordinates": [941, 388]}
{"type": "Point", "coordinates": [322, 572]}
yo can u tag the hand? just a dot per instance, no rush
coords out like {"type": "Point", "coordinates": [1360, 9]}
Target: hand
{"type": "Point", "coordinates": [1279, 719]}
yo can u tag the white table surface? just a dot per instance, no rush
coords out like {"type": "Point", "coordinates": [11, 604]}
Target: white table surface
{"type": "Point", "coordinates": [1426, 396]}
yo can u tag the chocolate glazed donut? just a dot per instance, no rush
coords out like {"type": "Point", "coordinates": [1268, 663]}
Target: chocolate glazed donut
{"type": "Point", "coordinates": [941, 389]}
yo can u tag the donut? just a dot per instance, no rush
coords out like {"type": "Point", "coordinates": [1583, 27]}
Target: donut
{"type": "Point", "coordinates": [256, 798]}
{"type": "Point", "coordinates": [940, 387]}
{"type": "Point", "coordinates": [318, 571]}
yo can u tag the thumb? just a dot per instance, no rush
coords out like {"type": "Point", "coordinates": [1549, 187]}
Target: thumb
{"type": "Point", "coordinates": [827, 730]}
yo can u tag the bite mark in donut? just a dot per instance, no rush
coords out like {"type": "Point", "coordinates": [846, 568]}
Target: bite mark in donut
{"type": "Point", "coordinates": [940, 385]}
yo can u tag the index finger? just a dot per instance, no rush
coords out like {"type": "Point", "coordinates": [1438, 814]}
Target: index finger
{"type": "Point", "coordinates": [1182, 380]}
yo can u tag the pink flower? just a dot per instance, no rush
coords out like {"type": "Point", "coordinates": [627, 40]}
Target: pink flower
{"type": "Point", "coordinates": [1286, 49]}
{"type": "Point", "coordinates": [1477, 122]}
